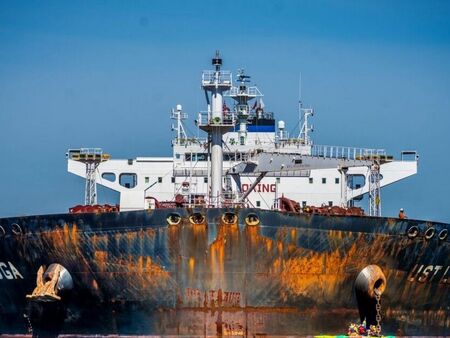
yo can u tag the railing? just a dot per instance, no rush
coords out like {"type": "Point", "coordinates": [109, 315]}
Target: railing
{"type": "Point", "coordinates": [87, 154]}
{"type": "Point", "coordinates": [349, 153]}
{"type": "Point", "coordinates": [249, 91]}
{"type": "Point", "coordinates": [189, 141]}
{"type": "Point", "coordinates": [205, 118]}
{"type": "Point", "coordinates": [222, 78]}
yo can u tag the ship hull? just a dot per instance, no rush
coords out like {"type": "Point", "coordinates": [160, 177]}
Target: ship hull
{"type": "Point", "coordinates": [289, 274]}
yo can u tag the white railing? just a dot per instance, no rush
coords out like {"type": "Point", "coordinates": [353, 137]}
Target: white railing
{"type": "Point", "coordinates": [223, 78]}
{"type": "Point", "coordinates": [250, 91]}
{"type": "Point", "coordinates": [205, 118]}
{"type": "Point", "coordinates": [350, 153]}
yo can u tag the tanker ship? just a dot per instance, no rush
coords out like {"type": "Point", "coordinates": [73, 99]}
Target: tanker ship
{"type": "Point", "coordinates": [249, 231]}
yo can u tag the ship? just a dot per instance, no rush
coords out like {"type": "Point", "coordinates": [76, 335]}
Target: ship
{"type": "Point", "coordinates": [247, 232]}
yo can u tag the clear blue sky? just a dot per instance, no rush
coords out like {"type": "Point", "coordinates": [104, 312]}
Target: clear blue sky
{"type": "Point", "coordinates": [106, 74]}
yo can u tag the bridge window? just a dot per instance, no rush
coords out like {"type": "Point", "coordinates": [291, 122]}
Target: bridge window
{"type": "Point", "coordinates": [324, 180]}
{"type": "Point", "coordinates": [109, 177]}
{"type": "Point", "coordinates": [330, 203]}
{"type": "Point", "coordinates": [147, 179]}
{"type": "Point", "coordinates": [205, 179]}
{"type": "Point", "coordinates": [356, 181]}
{"type": "Point", "coordinates": [258, 203]}
{"type": "Point", "coordinates": [311, 180]}
{"type": "Point", "coordinates": [173, 179]}
{"type": "Point", "coordinates": [159, 179]}
{"type": "Point", "coordinates": [128, 180]}
{"type": "Point", "coordinates": [336, 180]}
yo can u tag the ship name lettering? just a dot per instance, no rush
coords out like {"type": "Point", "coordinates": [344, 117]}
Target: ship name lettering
{"type": "Point", "coordinates": [212, 298]}
{"type": "Point", "coordinates": [9, 271]}
{"type": "Point", "coordinates": [260, 187]}
{"type": "Point", "coordinates": [428, 273]}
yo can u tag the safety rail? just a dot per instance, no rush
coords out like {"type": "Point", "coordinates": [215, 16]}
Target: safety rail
{"type": "Point", "coordinates": [249, 91]}
{"type": "Point", "coordinates": [189, 141]}
{"type": "Point", "coordinates": [349, 153]}
{"type": "Point", "coordinates": [205, 118]}
{"type": "Point", "coordinates": [87, 154]}
{"type": "Point", "coordinates": [221, 78]}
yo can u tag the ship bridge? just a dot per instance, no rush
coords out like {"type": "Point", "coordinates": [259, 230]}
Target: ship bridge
{"type": "Point", "coordinates": [199, 168]}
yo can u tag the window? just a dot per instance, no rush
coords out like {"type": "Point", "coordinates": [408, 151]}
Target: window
{"type": "Point", "coordinates": [278, 180]}
{"type": "Point", "coordinates": [128, 180]}
{"type": "Point", "coordinates": [159, 179]}
{"type": "Point", "coordinates": [202, 157]}
{"type": "Point", "coordinates": [330, 203]}
{"type": "Point", "coordinates": [109, 177]}
{"type": "Point", "coordinates": [177, 156]}
{"type": "Point", "coordinates": [205, 179]}
{"type": "Point", "coordinates": [304, 204]}
{"type": "Point", "coordinates": [258, 203]}
{"type": "Point", "coordinates": [147, 179]}
{"type": "Point", "coordinates": [311, 180]}
{"type": "Point", "coordinates": [173, 179]}
{"type": "Point", "coordinates": [324, 180]}
{"type": "Point", "coordinates": [336, 180]}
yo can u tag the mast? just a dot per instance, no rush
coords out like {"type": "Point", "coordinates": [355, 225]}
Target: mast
{"type": "Point", "coordinates": [179, 116]}
{"type": "Point", "coordinates": [215, 83]}
{"type": "Point", "coordinates": [242, 94]}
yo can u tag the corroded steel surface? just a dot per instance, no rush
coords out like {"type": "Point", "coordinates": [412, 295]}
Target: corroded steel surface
{"type": "Point", "coordinates": [289, 275]}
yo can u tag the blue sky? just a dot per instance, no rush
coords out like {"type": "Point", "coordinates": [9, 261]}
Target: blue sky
{"type": "Point", "coordinates": [106, 74]}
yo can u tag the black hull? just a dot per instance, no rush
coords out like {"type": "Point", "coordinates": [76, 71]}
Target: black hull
{"type": "Point", "coordinates": [290, 275]}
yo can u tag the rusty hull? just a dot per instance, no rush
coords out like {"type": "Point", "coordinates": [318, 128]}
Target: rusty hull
{"type": "Point", "coordinates": [290, 275]}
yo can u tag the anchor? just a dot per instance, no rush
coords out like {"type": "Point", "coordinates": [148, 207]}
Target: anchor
{"type": "Point", "coordinates": [45, 289]}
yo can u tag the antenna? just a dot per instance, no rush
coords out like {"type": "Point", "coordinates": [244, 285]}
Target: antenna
{"type": "Point", "coordinates": [304, 113]}
{"type": "Point", "coordinates": [300, 102]}
{"type": "Point", "coordinates": [178, 115]}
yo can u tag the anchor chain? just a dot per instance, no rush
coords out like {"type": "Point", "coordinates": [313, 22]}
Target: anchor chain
{"type": "Point", "coordinates": [378, 309]}
{"type": "Point", "coordinates": [30, 327]}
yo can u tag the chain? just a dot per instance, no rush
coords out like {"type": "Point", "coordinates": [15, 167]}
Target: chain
{"type": "Point", "coordinates": [378, 308]}
{"type": "Point", "coordinates": [30, 327]}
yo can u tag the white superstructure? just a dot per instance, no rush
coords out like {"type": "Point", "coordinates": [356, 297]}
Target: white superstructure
{"type": "Point", "coordinates": [199, 170]}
